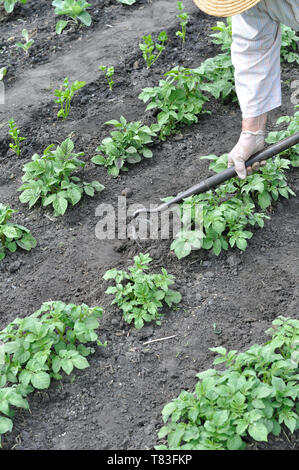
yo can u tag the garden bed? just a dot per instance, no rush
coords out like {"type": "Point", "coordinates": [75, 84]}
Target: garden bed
{"type": "Point", "coordinates": [227, 301]}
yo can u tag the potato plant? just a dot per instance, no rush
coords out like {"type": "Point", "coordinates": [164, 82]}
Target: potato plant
{"type": "Point", "coordinates": [253, 396]}
{"type": "Point", "coordinates": [127, 144]}
{"type": "Point", "coordinates": [50, 180]}
{"type": "Point", "coordinates": [13, 235]}
{"type": "Point", "coordinates": [217, 77]}
{"type": "Point", "coordinates": [140, 295]}
{"type": "Point", "coordinates": [177, 100]}
{"type": "Point", "coordinates": [289, 41]}
{"type": "Point", "coordinates": [223, 36]}
{"type": "Point", "coordinates": [230, 209]}
{"type": "Point", "coordinates": [54, 339]}
{"type": "Point", "coordinates": [276, 136]}
{"type": "Point", "coordinates": [73, 9]}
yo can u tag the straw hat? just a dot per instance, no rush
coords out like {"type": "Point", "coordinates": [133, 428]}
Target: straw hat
{"type": "Point", "coordinates": [225, 7]}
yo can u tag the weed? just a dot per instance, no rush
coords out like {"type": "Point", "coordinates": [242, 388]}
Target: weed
{"type": "Point", "coordinates": [27, 42]}
{"type": "Point", "coordinates": [14, 133]}
{"type": "Point", "coordinates": [65, 95]}
{"type": "Point", "coordinates": [151, 51]}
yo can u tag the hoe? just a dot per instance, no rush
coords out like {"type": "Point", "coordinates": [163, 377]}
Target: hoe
{"type": "Point", "coordinates": [225, 175]}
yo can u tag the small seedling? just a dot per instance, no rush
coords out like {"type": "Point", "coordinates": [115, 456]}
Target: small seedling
{"type": "Point", "coordinates": [225, 214]}
{"type": "Point", "coordinates": [183, 17]}
{"type": "Point", "coordinates": [9, 5]}
{"type": "Point", "coordinates": [65, 95]}
{"type": "Point", "coordinates": [127, 2]}
{"type": "Point", "coordinates": [3, 72]}
{"type": "Point", "coordinates": [14, 133]}
{"type": "Point", "coordinates": [28, 42]}
{"type": "Point", "coordinates": [109, 72]}
{"type": "Point", "coordinates": [148, 48]}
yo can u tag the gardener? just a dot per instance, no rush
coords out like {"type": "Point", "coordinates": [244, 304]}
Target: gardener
{"type": "Point", "coordinates": [256, 57]}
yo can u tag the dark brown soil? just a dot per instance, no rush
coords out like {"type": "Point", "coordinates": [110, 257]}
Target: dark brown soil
{"type": "Point", "coordinates": [230, 300]}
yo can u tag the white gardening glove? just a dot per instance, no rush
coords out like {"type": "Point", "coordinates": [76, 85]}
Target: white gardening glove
{"type": "Point", "coordinates": [248, 144]}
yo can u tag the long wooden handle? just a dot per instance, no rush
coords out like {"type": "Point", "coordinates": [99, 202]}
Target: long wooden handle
{"type": "Point", "coordinates": [225, 175]}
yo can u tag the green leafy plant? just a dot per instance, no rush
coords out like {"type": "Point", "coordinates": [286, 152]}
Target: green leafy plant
{"type": "Point", "coordinates": [253, 396]}
{"type": "Point", "coordinates": [289, 41]}
{"type": "Point", "coordinates": [127, 144]}
{"type": "Point", "coordinates": [13, 235]}
{"type": "Point", "coordinates": [37, 348]}
{"type": "Point", "coordinates": [222, 216]}
{"type": "Point", "coordinates": [74, 9]}
{"type": "Point", "coordinates": [151, 50]}
{"type": "Point", "coordinates": [10, 396]}
{"type": "Point", "coordinates": [27, 42]}
{"type": "Point", "coordinates": [178, 100]}
{"type": "Point", "coordinates": [217, 77]}
{"type": "Point", "coordinates": [14, 133]}
{"type": "Point", "coordinates": [276, 136]}
{"type": "Point", "coordinates": [127, 2]}
{"type": "Point", "coordinates": [9, 5]}
{"type": "Point", "coordinates": [3, 72]}
{"type": "Point", "coordinates": [183, 17]}
{"type": "Point", "coordinates": [109, 72]}
{"type": "Point", "coordinates": [65, 95]}
{"type": "Point", "coordinates": [224, 35]}
{"type": "Point", "coordinates": [140, 295]}
{"type": "Point", "coordinates": [50, 179]}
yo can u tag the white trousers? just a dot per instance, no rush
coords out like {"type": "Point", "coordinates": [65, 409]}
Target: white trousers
{"type": "Point", "coordinates": [256, 53]}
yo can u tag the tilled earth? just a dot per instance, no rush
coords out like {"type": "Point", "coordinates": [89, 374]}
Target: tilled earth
{"type": "Point", "coordinates": [228, 300]}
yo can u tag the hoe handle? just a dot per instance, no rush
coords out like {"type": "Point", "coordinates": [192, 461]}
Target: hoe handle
{"type": "Point", "coordinates": [225, 175]}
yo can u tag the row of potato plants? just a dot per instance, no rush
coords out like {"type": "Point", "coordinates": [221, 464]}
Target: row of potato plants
{"type": "Point", "coordinates": [177, 101]}
{"type": "Point", "coordinates": [57, 338]}
{"type": "Point", "coordinates": [35, 349]}
{"type": "Point", "coordinates": [223, 215]}
{"type": "Point", "coordinates": [253, 396]}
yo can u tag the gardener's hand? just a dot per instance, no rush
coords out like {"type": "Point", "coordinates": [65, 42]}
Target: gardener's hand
{"type": "Point", "coordinates": [248, 144]}
{"type": "Point", "coordinates": [252, 140]}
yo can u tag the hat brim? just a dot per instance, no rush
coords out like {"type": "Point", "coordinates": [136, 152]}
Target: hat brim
{"type": "Point", "coordinates": [225, 7]}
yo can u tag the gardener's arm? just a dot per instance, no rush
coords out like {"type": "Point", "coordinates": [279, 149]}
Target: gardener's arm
{"type": "Point", "coordinates": [256, 58]}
